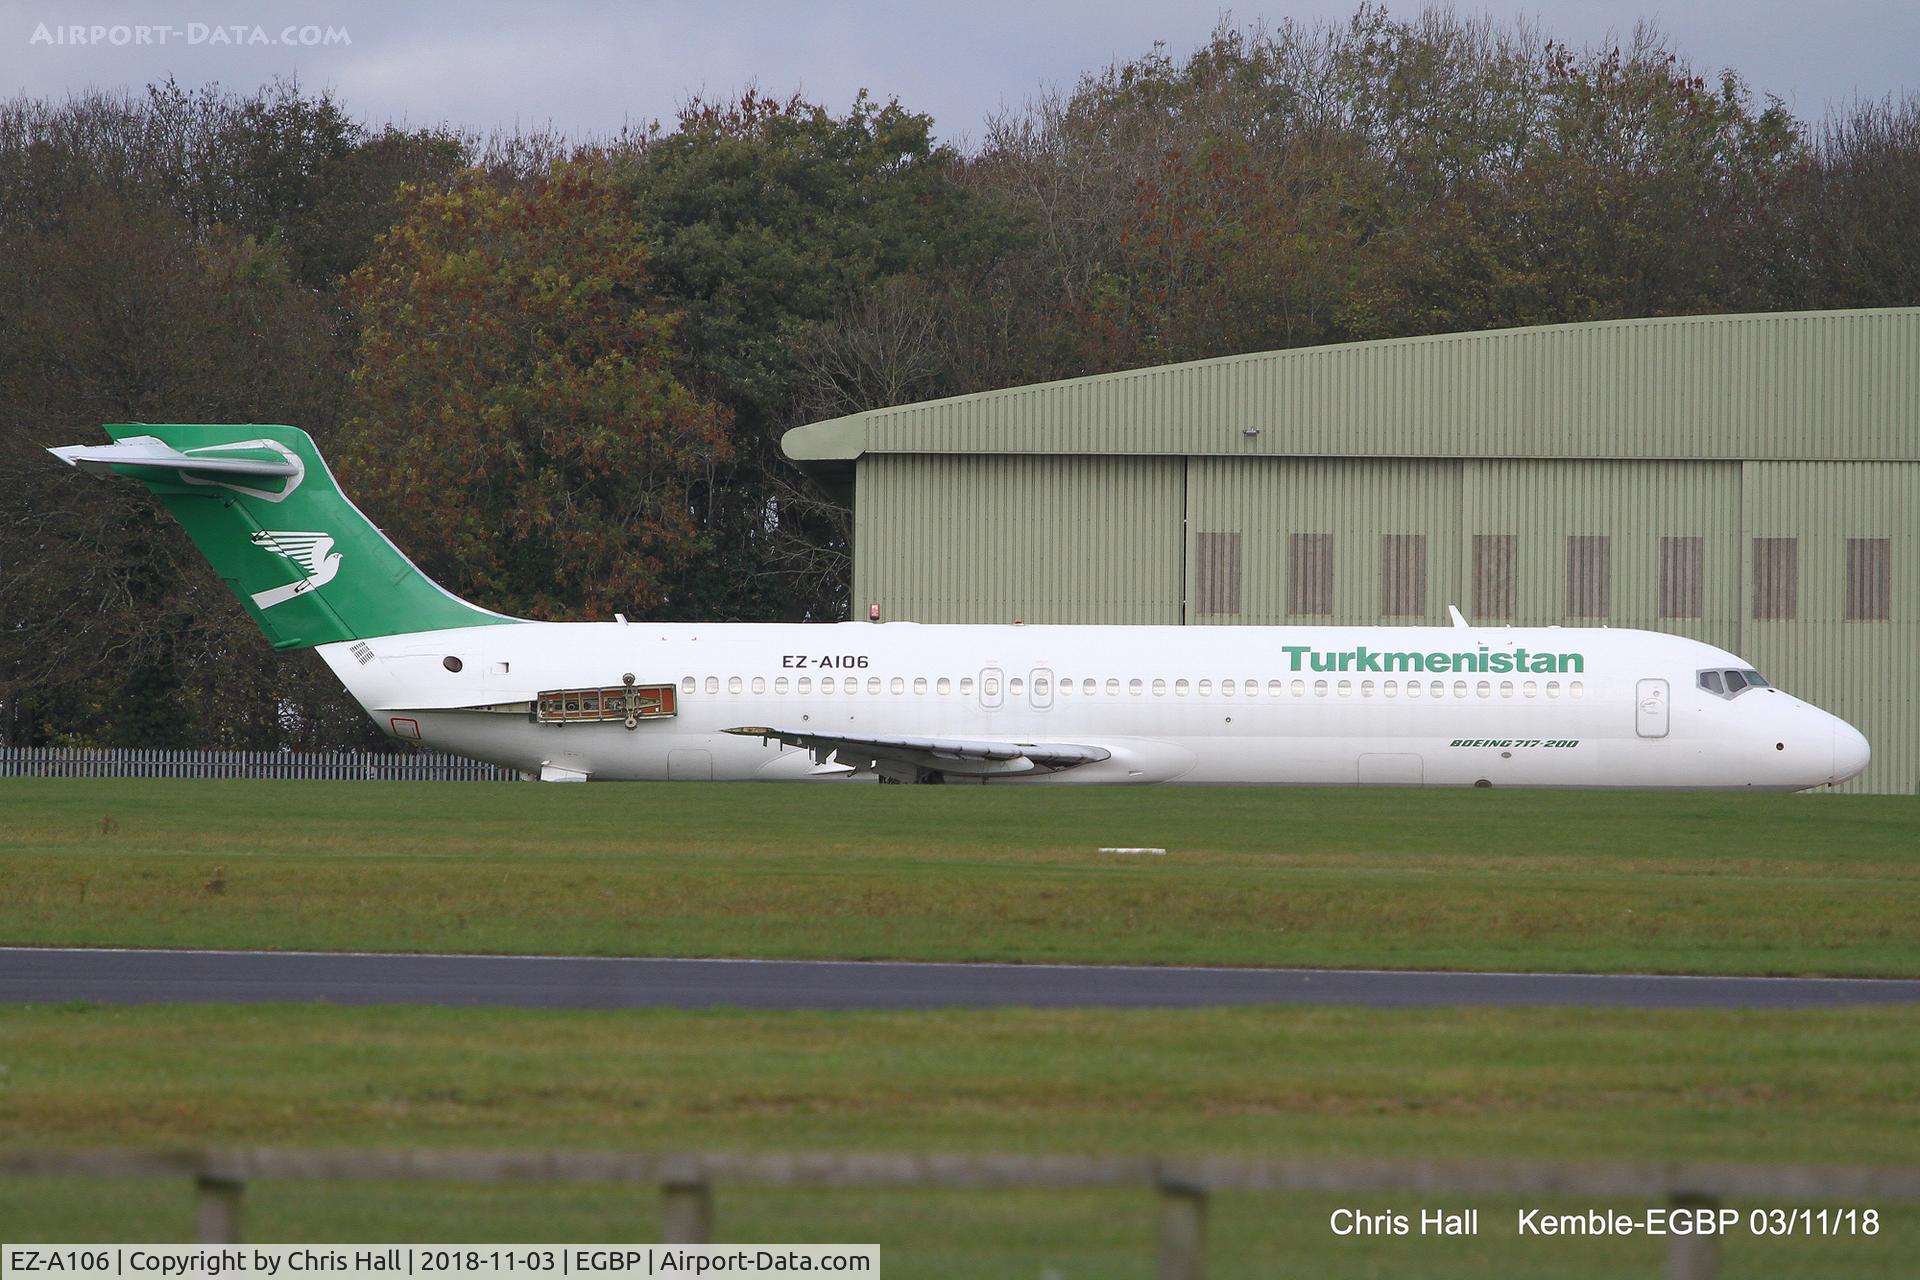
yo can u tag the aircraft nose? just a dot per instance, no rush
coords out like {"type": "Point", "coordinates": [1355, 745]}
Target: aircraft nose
{"type": "Point", "coordinates": [1850, 751]}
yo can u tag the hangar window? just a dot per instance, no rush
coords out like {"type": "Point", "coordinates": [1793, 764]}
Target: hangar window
{"type": "Point", "coordinates": [759, 684]}
{"type": "Point", "coordinates": [1589, 575]}
{"type": "Point", "coordinates": [1159, 688]}
{"type": "Point", "coordinates": [1776, 579]}
{"type": "Point", "coordinates": [733, 684]}
{"type": "Point", "coordinates": [943, 686]}
{"type": "Point", "coordinates": [1495, 557]}
{"type": "Point", "coordinates": [713, 684]}
{"type": "Point", "coordinates": [1403, 575]}
{"type": "Point", "coordinates": [686, 685]}
{"type": "Point", "coordinates": [1682, 577]}
{"type": "Point", "coordinates": [1869, 580]}
{"type": "Point", "coordinates": [780, 684]}
{"type": "Point", "coordinates": [1216, 562]}
{"type": "Point", "coordinates": [1310, 573]}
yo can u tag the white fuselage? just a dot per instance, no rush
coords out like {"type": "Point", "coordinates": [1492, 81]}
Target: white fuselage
{"type": "Point", "coordinates": [1313, 706]}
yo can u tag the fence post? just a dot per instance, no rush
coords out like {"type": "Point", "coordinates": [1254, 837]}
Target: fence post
{"type": "Point", "coordinates": [1694, 1255]}
{"type": "Point", "coordinates": [217, 1209]}
{"type": "Point", "coordinates": [686, 1213]}
{"type": "Point", "coordinates": [1183, 1221]}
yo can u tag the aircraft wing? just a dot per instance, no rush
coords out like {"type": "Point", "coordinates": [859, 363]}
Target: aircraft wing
{"type": "Point", "coordinates": [906, 756]}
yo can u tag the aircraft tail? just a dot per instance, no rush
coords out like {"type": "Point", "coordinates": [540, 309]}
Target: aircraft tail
{"type": "Point", "coordinates": [264, 509]}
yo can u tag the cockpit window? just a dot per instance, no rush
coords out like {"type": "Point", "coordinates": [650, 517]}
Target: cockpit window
{"type": "Point", "coordinates": [1729, 683]}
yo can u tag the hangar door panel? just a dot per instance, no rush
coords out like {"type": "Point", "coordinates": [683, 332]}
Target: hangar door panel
{"type": "Point", "coordinates": [1019, 537]}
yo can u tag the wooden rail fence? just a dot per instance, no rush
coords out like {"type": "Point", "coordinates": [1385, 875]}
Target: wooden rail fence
{"type": "Point", "coordinates": [686, 1182]}
{"type": "Point", "coordinates": [128, 762]}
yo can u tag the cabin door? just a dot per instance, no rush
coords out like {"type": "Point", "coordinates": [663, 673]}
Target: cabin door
{"type": "Point", "coordinates": [1650, 710]}
{"type": "Point", "coordinates": [1040, 688]}
{"type": "Point", "coordinates": [992, 687]}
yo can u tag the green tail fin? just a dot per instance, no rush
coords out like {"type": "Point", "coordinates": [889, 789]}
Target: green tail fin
{"type": "Point", "coordinates": [262, 507]}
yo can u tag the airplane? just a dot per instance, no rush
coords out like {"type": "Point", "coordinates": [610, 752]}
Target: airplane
{"type": "Point", "coordinates": [1459, 705]}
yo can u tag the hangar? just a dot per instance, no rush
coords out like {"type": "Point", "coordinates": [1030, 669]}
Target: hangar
{"type": "Point", "coordinates": [1749, 480]}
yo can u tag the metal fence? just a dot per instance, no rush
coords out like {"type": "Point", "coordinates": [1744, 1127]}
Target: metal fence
{"type": "Point", "coordinates": [1183, 1186]}
{"type": "Point", "coordinates": [126, 762]}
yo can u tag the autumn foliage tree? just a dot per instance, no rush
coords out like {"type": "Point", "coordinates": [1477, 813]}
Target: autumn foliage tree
{"type": "Point", "coordinates": [515, 422]}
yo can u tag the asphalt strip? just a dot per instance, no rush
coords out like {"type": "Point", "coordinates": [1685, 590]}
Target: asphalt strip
{"type": "Point", "coordinates": [34, 975]}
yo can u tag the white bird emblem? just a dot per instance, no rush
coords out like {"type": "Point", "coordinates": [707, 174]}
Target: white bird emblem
{"type": "Point", "coordinates": [312, 552]}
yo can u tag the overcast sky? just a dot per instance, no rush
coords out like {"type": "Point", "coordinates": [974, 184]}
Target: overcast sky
{"type": "Point", "coordinates": [590, 68]}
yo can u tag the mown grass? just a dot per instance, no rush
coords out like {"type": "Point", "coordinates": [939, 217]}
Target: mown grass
{"type": "Point", "coordinates": [1503, 879]}
{"type": "Point", "coordinates": [1824, 1086]}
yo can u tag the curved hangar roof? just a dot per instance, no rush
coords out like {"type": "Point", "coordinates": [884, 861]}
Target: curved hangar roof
{"type": "Point", "coordinates": [1793, 385]}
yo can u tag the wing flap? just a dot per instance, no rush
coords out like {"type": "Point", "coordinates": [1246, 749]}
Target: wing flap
{"type": "Point", "coordinates": [958, 755]}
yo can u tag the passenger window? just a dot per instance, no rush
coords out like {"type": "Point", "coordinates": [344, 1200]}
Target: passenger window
{"type": "Point", "coordinates": [1253, 688]}
{"type": "Point", "coordinates": [1087, 686]}
{"type": "Point", "coordinates": [1506, 688]}
{"type": "Point", "coordinates": [1113, 687]}
{"type": "Point", "coordinates": [1066, 687]}
{"type": "Point", "coordinates": [873, 684]}
{"type": "Point", "coordinates": [1016, 687]}
{"type": "Point", "coordinates": [1391, 688]}
{"type": "Point", "coordinates": [1346, 688]}
{"type": "Point", "coordinates": [1275, 688]}
{"type": "Point", "coordinates": [826, 684]}
{"type": "Point", "coordinates": [1299, 688]}
{"type": "Point", "coordinates": [686, 686]}
{"type": "Point", "coordinates": [1438, 688]}
{"type": "Point", "coordinates": [1484, 689]}
{"type": "Point", "coordinates": [990, 687]}
{"type": "Point", "coordinates": [1710, 681]}
{"type": "Point", "coordinates": [1736, 683]}
{"type": "Point", "coordinates": [1366, 688]}
{"type": "Point", "coordinates": [733, 684]}
{"type": "Point", "coordinates": [779, 684]}
{"type": "Point", "coordinates": [1040, 686]}
{"type": "Point", "coordinates": [1413, 688]}
{"type": "Point", "coordinates": [1319, 688]}
{"type": "Point", "coordinates": [1206, 688]}
{"type": "Point", "coordinates": [713, 684]}
{"type": "Point", "coordinates": [919, 684]}
{"type": "Point", "coordinates": [943, 686]}
{"type": "Point", "coordinates": [1459, 688]}
{"type": "Point", "coordinates": [1530, 688]}
{"type": "Point", "coordinates": [1226, 688]}
{"type": "Point", "coordinates": [806, 684]}
{"type": "Point", "coordinates": [759, 684]}
{"type": "Point", "coordinates": [1182, 688]}
{"type": "Point", "coordinates": [966, 686]}
{"type": "Point", "coordinates": [896, 685]}
{"type": "Point", "coordinates": [1553, 688]}
{"type": "Point", "coordinates": [1575, 689]}
{"type": "Point", "coordinates": [1135, 686]}
{"type": "Point", "coordinates": [1159, 688]}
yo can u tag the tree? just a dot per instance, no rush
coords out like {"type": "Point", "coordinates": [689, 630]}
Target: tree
{"type": "Point", "coordinates": [516, 422]}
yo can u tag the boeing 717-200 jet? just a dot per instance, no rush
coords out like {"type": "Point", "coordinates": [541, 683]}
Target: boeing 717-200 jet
{"type": "Point", "coordinates": [1320, 706]}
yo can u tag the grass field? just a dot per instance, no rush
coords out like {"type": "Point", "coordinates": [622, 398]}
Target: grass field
{"type": "Point", "coordinates": [1832, 1086]}
{"type": "Point", "coordinates": [1499, 879]}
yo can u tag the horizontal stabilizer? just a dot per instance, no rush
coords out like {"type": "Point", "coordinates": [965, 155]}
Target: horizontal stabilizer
{"type": "Point", "coordinates": [148, 451]}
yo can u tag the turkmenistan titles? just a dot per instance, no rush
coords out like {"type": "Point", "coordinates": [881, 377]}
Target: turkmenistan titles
{"type": "Point", "coordinates": [1482, 659]}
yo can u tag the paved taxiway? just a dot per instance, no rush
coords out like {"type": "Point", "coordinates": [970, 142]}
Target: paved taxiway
{"type": "Point", "coordinates": [43, 976]}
